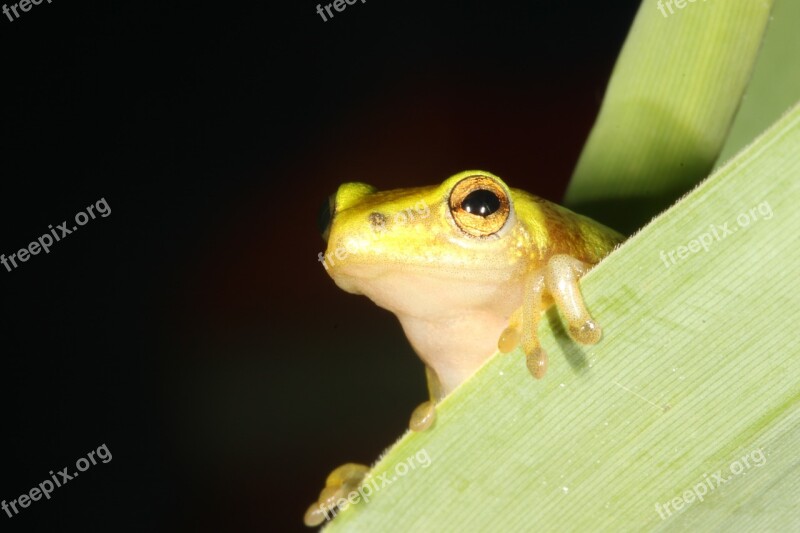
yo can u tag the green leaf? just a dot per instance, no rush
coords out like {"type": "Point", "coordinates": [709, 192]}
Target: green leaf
{"type": "Point", "coordinates": [698, 369]}
{"type": "Point", "coordinates": [775, 86]}
{"type": "Point", "coordinates": [668, 109]}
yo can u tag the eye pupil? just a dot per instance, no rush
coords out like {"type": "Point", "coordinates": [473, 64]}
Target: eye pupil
{"type": "Point", "coordinates": [481, 202]}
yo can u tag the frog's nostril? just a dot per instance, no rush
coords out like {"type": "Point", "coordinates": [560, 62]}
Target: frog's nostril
{"type": "Point", "coordinates": [378, 221]}
{"type": "Point", "coordinates": [326, 212]}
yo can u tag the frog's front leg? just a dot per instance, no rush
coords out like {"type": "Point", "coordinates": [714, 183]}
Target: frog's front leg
{"type": "Point", "coordinates": [561, 281]}
{"type": "Point", "coordinates": [558, 281]}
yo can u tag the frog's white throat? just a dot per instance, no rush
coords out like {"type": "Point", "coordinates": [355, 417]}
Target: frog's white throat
{"type": "Point", "coordinates": [456, 347]}
{"type": "Point", "coordinates": [453, 317]}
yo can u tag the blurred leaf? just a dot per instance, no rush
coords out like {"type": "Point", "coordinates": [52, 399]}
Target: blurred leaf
{"type": "Point", "coordinates": [775, 86]}
{"type": "Point", "coordinates": [668, 108]}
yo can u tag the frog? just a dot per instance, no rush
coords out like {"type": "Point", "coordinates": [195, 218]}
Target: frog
{"type": "Point", "coordinates": [470, 278]}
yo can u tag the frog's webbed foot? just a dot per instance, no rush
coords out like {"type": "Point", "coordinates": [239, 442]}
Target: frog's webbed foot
{"type": "Point", "coordinates": [558, 281]}
{"type": "Point", "coordinates": [339, 484]}
{"type": "Point", "coordinates": [425, 414]}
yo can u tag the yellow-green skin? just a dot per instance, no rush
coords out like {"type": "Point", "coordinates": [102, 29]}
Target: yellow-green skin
{"type": "Point", "coordinates": [454, 293]}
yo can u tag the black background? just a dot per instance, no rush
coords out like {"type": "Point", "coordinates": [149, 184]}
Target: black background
{"type": "Point", "coordinates": [193, 330]}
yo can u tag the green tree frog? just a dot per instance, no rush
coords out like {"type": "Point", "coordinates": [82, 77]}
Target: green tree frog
{"type": "Point", "coordinates": [467, 275]}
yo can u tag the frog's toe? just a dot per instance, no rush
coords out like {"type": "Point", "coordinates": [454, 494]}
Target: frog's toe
{"type": "Point", "coordinates": [512, 335]}
{"type": "Point", "coordinates": [341, 482]}
{"type": "Point", "coordinates": [423, 416]}
{"type": "Point", "coordinates": [536, 359]}
{"type": "Point", "coordinates": [315, 515]}
{"type": "Point", "coordinates": [509, 339]}
{"type": "Point", "coordinates": [586, 331]}
{"type": "Point", "coordinates": [347, 474]}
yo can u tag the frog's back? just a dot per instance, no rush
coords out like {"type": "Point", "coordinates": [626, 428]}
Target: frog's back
{"type": "Point", "coordinates": [557, 230]}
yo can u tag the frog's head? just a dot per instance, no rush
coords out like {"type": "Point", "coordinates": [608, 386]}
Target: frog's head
{"type": "Point", "coordinates": [392, 245]}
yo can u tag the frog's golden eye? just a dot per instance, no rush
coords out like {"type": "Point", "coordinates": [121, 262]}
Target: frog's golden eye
{"type": "Point", "coordinates": [326, 212]}
{"type": "Point", "coordinates": [479, 205]}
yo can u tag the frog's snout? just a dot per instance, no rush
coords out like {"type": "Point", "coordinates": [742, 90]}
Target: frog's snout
{"type": "Point", "coordinates": [347, 195]}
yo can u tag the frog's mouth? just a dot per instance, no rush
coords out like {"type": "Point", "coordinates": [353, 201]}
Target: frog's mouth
{"type": "Point", "coordinates": [426, 291]}
{"type": "Point", "coordinates": [366, 278]}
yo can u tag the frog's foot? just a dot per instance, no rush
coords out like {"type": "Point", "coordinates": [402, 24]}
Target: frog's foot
{"type": "Point", "coordinates": [557, 281]}
{"type": "Point", "coordinates": [511, 336]}
{"type": "Point", "coordinates": [425, 414]}
{"type": "Point", "coordinates": [536, 360]}
{"type": "Point", "coordinates": [523, 324]}
{"type": "Point", "coordinates": [339, 484]}
{"type": "Point", "coordinates": [561, 281]}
